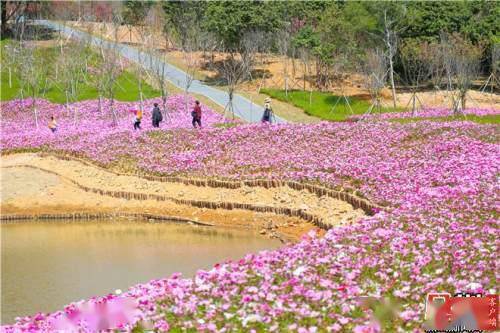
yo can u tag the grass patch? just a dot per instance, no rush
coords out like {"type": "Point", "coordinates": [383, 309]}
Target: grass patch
{"type": "Point", "coordinates": [226, 125]}
{"type": "Point", "coordinates": [320, 104]}
{"type": "Point", "coordinates": [126, 89]}
{"type": "Point", "coordinates": [488, 119]}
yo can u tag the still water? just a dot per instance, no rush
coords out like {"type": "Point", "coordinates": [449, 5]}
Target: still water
{"type": "Point", "coordinates": [47, 265]}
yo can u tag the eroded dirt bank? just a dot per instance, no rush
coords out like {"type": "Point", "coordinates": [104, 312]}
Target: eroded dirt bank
{"type": "Point", "coordinates": [32, 184]}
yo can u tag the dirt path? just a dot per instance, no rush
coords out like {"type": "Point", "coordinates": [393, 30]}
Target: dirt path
{"type": "Point", "coordinates": [26, 189]}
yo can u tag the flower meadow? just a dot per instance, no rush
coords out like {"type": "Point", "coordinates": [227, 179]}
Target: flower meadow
{"type": "Point", "coordinates": [438, 182]}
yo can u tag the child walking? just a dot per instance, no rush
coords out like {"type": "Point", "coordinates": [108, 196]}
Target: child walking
{"type": "Point", "coordinates": [138, 119]}
{"type": "Point", "coordinates": [53, 124]}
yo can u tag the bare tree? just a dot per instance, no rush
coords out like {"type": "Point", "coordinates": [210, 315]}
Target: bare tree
{"type": "Point", "coordinates": [416, 58]}
{"type": "Point", "coordinates": [108, 68]}
{"type": "Point", "coordinates": [437, 67]}
{"type": "Point", "coordinates": [10, 50]}
{"type": "Point", "coordinates": [284, 43]}
{"type": "Point", "coordinates": [342, 66]}
{"type": "Point", "coordinates": [146, 46]}
{"type": "Point", "coordinates": [33, 74]}
{"type": "Point", "coordinates": [305, 58]}
{"type": "Point", "coordinates": [73, 65]}
{"type": "Point", "coordinates": [190, 43]}
{"type": "Point", "coordinates": [97, 72]}
{"type": "Point", "coordinates": [156, 59]}
{"type": "Point", "coordinates": [237, 65]}
{"type": "Point", "coordinates": [376, 70]}
{"type": "Point", "coordinates": [391, 44]}
{"type": "Point", "coordinates": [493, 80]}
{"type": "Point", "coordinates": [11, 10]}
{"type": "Point", "coordinates": [462, 63]}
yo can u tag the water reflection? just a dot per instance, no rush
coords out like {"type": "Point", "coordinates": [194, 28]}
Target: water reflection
{"type": "Point", "coordinates": [49, 264]}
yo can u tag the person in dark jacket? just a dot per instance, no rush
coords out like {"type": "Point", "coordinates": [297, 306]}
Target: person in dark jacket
{"type": "Point", "coordinates": [196, 114]}
{"type": "Point", "coordinates": [157, 116]}
{"type": "Point", "coordinates": [268, 111]}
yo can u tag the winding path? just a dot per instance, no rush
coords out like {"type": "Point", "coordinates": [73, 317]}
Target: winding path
{"type": "Point", "coordinates": [243, 108]}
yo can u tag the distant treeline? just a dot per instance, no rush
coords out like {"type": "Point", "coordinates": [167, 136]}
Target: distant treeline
{"type": "Point", "coordinates": [327, 32]}
{"type": "Point", "coordinates": [334, 30]}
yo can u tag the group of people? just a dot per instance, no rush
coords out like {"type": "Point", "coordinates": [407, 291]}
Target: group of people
{"type": "Point", "coordinates": [157, 116]}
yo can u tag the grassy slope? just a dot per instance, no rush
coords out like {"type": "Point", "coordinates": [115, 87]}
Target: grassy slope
{"type": "Point", "coordinates": [322, 103]}
{"type": "Point", "coordinates": [125, 90]}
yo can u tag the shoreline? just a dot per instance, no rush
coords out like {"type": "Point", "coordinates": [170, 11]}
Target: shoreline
{"type": "Point", "coordinates": [39, 185]}
{"type": "Point", "coordinates": [290, 236]}
{"type": "Point", "coordinates": [43, 185]}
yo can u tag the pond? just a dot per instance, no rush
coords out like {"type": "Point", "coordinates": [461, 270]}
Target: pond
{"type": "Point", "coordinates": [46, 265]}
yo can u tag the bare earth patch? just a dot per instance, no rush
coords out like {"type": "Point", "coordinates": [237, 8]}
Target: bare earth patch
{"type": "Point", "coordinates": [26, 190]}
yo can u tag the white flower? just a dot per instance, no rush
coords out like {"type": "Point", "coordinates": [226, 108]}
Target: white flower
{"type": "Point", "coordinates": [299, 270]}
{"type": "Point", "coordinates": [474, 286]}
{"type": "Point", "coordinates": [118, 291]}
{"type": "Point", "coordinates": [251, 319]}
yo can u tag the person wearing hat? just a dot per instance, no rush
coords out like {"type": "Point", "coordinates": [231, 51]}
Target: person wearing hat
{"type": "Point", "coordinates": [266, 117]}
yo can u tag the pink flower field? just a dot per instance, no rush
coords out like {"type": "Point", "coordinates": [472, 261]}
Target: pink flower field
{"type": "Point", "coordinates": [437, 180]}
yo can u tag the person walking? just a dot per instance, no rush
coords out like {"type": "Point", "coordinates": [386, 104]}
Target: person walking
{"type": "Point", "coordinates": [157, 116]}
{"type": "Point", "coordinates": [53, 124]}
{"type": "Point", "coordinates": [268, 111]}
{"type": "Point", "coordinates": [196, 114]}
{"type": "Point", "coordinates": [138, 119]}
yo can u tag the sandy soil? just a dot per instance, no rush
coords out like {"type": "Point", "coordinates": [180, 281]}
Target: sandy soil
{"type": "Point", "coordinates": [475, 99]}
{"type": "Point", "coordinates": [28, 190]}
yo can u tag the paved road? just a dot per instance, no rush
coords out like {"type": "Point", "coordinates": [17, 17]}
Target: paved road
{"type": "Point", "coordinates": [243, 107]}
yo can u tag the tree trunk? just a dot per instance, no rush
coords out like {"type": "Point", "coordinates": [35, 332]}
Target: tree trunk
{"type": "Point", "coordinates": [231, 104]}
{"type": "Point", "coordinates": [4, 17]}
{"type": "Point", "coordinates": [304, 76]}
{"type": "Point", "coordinates": [393, 87]}
{"type": "Point", "coordinates": [414, 109]}
{"type": "Point", "coordinates": [10, 78]}
{"type": "Point", "coordinates": [285, 72]}
{"type": "Point", "coordinates": [112, 108]}
{"type": "Point", "coordinates": [286, 86]}
{"type": "Point", "coordinates": [164, 106]}
{"type": "Point", "coordinates": [391, 48]}
{"type": "Point", "coordinates": [463, 100]}
{"type": "Point", "coordinates": [99, 104]}
{"type": "Point", "coordinates": [67, 104]}
{"type": "Point", "coordinates": [35, 111]}
{"type": "Point", "coordinates": [141, 99]}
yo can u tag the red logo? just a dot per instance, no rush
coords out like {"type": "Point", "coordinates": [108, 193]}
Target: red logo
{"type": "Point", "coordinates": [463, 311]}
